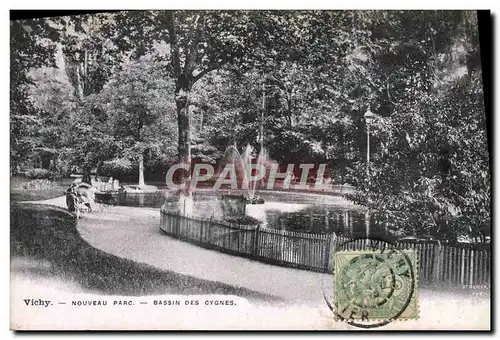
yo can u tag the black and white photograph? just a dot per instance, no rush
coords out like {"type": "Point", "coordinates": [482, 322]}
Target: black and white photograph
{"type": "Point", "coordinates": [250, 170]}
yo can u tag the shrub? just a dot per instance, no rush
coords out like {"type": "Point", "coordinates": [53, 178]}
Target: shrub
{"type": "Point", "coordinates": [245, 219]}
{"type": "Point", "coordinates": [38, 184]}
{"type": "Point", "coordinates": [120, 168]}
{"type": "Point", "coordinates": [64, 167]}
{"type": "Point", "coordinates": [39, 174]}
{"type": "Point", "coordinates": [35, 190]}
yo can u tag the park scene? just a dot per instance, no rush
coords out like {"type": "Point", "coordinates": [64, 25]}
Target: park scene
{"type": "Point", "coordinates": [198, 152]}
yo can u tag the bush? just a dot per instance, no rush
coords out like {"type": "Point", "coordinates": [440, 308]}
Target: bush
{"type": "Point", "coordinates": [39, 174]}
{"type": "Point", "coordinates": [120, 169]}
{"type": "Point", "coordinates": [64, 167]}
{"type": "Point", "coordinates": [34, 190]}
{"type": "Point", "coordinates": [38, 184]}
{"type": "Point", "coordinates": [245, 219]}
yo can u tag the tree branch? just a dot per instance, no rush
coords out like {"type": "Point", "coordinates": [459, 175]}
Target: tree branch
{"type": "Point", "coordinates": [210, 68]}
{"type": "Point", "coordinates": [388, 86]}
{"type": "Point", "coordinates": [174, 46]}
{"type": "Point", "coordinates": [193, 49]}
{"type": "Point", "coordinates": [435, 55]}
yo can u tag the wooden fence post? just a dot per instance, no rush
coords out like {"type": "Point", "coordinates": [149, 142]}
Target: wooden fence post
{"type": "Point", "coordinates": [210, 229]}
{"type": "Point", "coordinates": [178, 224]}
{"type": "Point", "coordinates": [438, 261]}
{"type": "Point", "coordinates": [330, 250]}
{"type": "Point", "coordinates": [471, 278]}
{"type": "Point", "coordinates": [435, 252]}
{"type": "Point", "coordinates": [255, 246]}
{"type": "Point", "coordinates": [202, 225]}
{"type": "Point", "coordinates": [462, 268]}
{"type": "Point", "coordinates": [281, 247]}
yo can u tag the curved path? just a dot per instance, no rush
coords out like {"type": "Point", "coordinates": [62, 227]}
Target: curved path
{"type": "Point", "coordinates": [133, 233]}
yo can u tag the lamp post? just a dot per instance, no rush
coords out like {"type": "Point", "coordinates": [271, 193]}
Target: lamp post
{"type": "Point", "coordinates": [369, 116]}
{"type": "Point", "coordinates": [262, 116]}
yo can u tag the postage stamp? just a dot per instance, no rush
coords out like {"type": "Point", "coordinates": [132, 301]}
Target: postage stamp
{"type": "Point", "coordinates": [374, 287]}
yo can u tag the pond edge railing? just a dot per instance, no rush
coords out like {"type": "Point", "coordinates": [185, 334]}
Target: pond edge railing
{"type": "Point", "coordinates": [439, 264]}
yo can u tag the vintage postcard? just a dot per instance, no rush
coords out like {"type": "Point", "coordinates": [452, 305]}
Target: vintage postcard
{"type": "Point", "coordinates": [250, 170]}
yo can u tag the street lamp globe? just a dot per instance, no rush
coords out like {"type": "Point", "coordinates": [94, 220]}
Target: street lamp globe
{"type": "Point", "coordinates": [369, 116]}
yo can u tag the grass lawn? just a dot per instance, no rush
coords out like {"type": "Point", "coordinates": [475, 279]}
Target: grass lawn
{"type": "Point", "coordinates": [21, 190]}
{"type": "Point", "coordinates": [48, 234]}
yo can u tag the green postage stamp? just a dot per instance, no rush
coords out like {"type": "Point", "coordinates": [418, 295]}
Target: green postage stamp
{"type": "Point", "coordinates": [375, 287]}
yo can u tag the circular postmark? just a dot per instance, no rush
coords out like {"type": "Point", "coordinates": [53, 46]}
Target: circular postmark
{"type": "Point", "coordinates": [374, 283]}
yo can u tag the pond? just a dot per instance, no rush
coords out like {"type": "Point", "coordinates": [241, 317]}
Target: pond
{"type": "Point", "coordinates": [319, 218]}
{"type": "Point", "coordinates": [294, 211]}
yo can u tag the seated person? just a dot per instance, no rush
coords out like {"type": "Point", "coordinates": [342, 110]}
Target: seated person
{"type": "Point", "coordinates": [80, 196]}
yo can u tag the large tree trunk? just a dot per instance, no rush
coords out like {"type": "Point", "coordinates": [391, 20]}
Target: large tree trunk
{"type": "Point", "coordinates": [185, 80]}
{"type": "Point", "coordinates": [45, 160]}
{"type": "Point", "coordinates": [141, 171]}
{"type": "Point", "coordinates": [184, 126]}
{"type": "Point", "coordinates": [184, 142]}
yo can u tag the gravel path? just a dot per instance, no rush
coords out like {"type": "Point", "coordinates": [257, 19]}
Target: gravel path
{"type": "Point", "coordinates": [133, 233]}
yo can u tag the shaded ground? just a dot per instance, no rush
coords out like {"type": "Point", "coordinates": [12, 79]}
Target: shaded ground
{"type": "Point", "coordinates": [45, 245]}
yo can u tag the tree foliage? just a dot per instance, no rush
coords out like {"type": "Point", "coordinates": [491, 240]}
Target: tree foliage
{"type": "Point", "coordinates": [27, 51]}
